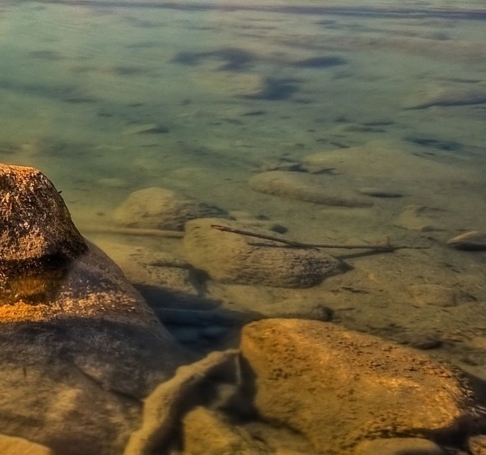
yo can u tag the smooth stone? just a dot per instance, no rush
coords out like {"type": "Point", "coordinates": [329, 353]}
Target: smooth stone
{"type": "Point", "coordinates": [469, 241]}
{"type": "Point", "coordinates": [381, 164]}
{"type": "Point", "coordinates": [159, 208]}
{"type": "Point", "coordinates": [237, 259]}
{"type": "Point", "coordinates": [305, 187]}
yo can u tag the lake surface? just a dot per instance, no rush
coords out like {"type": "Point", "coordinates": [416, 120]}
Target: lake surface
{"type": "Point", "coordinates": [107, 98]}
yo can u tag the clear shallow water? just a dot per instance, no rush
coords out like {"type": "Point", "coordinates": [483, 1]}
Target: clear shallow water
{"type": "Point", "coordinates": [110, 97]}
{"type": "Point", "coordinates": [76, 79]}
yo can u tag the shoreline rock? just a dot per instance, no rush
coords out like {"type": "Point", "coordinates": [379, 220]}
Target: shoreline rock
{"type": "Point", "coordinates": [80, 347]}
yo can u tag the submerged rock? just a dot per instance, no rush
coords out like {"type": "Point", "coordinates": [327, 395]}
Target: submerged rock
{"type": "Point", "coordinates": [417, 218]}
{"type": "Point", "coordinates": [206, 433]}
{"type": "Point", "coordinates": [339, 387]}
{"type": "Point", "coordinates": [164, 407]}
{"type": "Point", "coordinates": [238, 259]}
{"type": "Point", "coordinates": [80, 348]}
{"type": "Point", "coordinates": [438, 295]}
{"type": "Point", "coordinates": [469, 241]}
{"type": "Point", "coordinates": [305, 187]}
{"type": "Point", "coordinates": [159, 208]}
{"type": "Point", "coordinates": [446, 95]}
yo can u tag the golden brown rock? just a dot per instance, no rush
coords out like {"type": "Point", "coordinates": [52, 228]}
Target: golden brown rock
{"type": "Point", "coordinates": [477, 444]}
{"type": "Point", "coordinates": [38, 239]}
{"type": "Point", "coordinates": [338, 387]}
{"type": "Point", "coordinates": [19, 446]}
{"type": "Point", "coordinates": [80, 347]}
{"type": "Point", "coordinates": [398, 446]}
{"type": "Point", "coordinates": [34, 221]}
{"type": "Point", "coordinates": [206, 433]}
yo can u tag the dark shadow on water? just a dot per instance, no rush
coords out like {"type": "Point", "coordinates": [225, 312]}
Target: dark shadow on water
{"type": "Point", "coordinates": [276, 89]}
{"type": "Point", "coordinates": [234, 59]}
{"type": "Point", "coordinates": [157, 297]}
{"type": "Point", "coordinates": [320, 62]}
{"type": "Point", "coordinates": [450, 146]}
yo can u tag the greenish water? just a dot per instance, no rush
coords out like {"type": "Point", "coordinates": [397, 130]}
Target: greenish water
{"type": "Point", "coordinates": [384, 104]}
{"type": "Point", "coordinates": [110, 97]}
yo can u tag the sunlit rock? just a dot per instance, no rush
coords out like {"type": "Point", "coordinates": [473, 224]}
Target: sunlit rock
{"type": "Point", "coordinates": [398, 446]}
{"type": "Point", "coordinates": [80, 348]}
{"type": "Point", "coordinates": [477, 444]}
{"type": "Point", "coordinates": [339, 387]}
{"type": "Point", "coordinates": [159, 208]}
{"type": "Point", "coordinates": [38, 240]}
{"type": "Point", "coordinates": [233, 258]}
{"type": "Point", "coordinates": [19, 446]}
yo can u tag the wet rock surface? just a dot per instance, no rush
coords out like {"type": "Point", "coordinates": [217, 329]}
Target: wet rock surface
{"type": "Point", "coordinates": [16, 446]}
{"type": "Point", "coordinates": [338, 387]}
{"type": "Point", "coordinates": [79, 354]}
{"type": "Point", "coordinates": [93, 351]}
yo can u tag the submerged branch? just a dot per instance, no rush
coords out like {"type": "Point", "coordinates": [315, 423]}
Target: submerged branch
{"type": "Point", "coordinates": [385, 246]}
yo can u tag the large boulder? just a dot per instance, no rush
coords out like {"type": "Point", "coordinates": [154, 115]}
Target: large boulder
{"type": "Point", "coordinates": [339, 387]}
{"type": "Point", "coordinates": [80, 348]}
{"type": "Point", "coordinates": [160, 208]}
{"type": "Point", "coordinates": [229, 257]}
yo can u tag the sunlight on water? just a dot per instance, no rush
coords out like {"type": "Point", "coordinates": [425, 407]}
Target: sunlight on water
{"type": "Point", "coordinates": [316, 123]}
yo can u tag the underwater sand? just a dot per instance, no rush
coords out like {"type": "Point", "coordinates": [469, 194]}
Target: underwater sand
{"type": "Point", "coordinates": [109, 97]}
